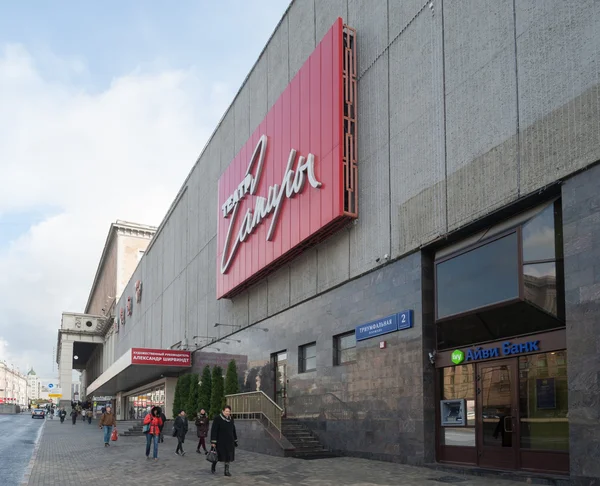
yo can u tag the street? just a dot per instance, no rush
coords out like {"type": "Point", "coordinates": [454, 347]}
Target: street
{"type": "Point", "coordinates": [18, 435]}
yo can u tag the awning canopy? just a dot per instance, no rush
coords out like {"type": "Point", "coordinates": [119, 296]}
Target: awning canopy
{"type": "Point", "coordinates": [138, 366]}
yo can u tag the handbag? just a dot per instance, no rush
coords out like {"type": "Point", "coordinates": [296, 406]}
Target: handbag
{"type": "Point", "coordinates": [115, 435]}
{"type": "Point", "coordinates": [146, 428]}
{"type": "Point", "coordinates": [212, 456]}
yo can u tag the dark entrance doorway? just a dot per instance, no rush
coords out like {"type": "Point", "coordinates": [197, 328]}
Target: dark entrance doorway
{"type": "Point", "coordinates": [497, 413]}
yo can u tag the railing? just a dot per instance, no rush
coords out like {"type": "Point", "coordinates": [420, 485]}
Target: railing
{"type": "Point", "coordinates": [257, 403]}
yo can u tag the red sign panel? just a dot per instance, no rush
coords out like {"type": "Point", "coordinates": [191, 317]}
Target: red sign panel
{"type": "Point", "coordinates": [294, 181]}
{"type": "Point", "coordinates": [162, 357]}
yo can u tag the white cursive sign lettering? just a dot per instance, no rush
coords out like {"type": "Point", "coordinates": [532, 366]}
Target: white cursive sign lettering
{"type": "Point", "coordinates": [292, 184]}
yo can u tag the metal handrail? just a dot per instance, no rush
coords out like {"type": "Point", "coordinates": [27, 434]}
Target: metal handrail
{"type": "Point", "coordinates": [256, 402]}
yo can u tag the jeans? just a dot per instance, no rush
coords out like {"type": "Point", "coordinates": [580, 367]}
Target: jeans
{"type": "Point", "coordinates": [179, 445]}
{"type": "Point", "coordinates": [89, 420]}
{"type": "Point", "coordinates": [150, 439]}
{"type": "Point", "coordinates": [107, 432]}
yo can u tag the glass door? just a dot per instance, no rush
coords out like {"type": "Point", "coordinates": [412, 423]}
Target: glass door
{"type": "Point", "coordinates": [280, 363]}
{"type": "Point", "coordinates": [497, 414]}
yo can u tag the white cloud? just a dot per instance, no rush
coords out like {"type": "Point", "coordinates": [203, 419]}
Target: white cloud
{"type": "Point", "coordinates": [92, 158]}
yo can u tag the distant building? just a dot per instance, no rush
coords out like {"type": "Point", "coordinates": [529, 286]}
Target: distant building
{"type": "Point", "coordinates": [13, 385]}
{"type": "Point", "coordinates": [34, 385]}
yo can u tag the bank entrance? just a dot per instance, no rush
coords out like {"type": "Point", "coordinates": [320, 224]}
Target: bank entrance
{"type": "Point", "coordinates": [501, 356]}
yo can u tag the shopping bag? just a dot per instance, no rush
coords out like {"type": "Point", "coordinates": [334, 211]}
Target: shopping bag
{"type": "Point", "coordinates": [212, 456]}
{"type": "Point", "coordinates": [115, 435]}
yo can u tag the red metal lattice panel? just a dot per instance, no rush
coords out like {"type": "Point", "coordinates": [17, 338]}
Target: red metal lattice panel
{"type": "Point", "coordinates": [350, 134]}
{"type": "Point", "coordinates": [261, 227]}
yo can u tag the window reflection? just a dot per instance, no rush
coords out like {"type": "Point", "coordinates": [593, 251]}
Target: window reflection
{"type": "Point", "coordinates": [139, 405]}
{"type": "Point", "coordinates": [539, 283]}
{"type": "Point", "coordinates": [483, 276]}
{"type": "Point", "coordinates": [544, 407]}
{"type": "Point", "coordinates": [459, 383]}
{"type": "Point", "coordinates": [539, 237]}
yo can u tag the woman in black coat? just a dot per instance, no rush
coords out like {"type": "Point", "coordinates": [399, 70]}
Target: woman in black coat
{"type": "Point", "coordinates": [224, 439]}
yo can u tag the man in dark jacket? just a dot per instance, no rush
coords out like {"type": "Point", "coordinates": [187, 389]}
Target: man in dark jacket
{"type": "Point", "coordinates": [202, 424]}
{"type": "Point", "coordinates": [180, 428]}
{"type": "Point", "coordinates": [224, 439]}
{"type": "Point", "coordinates": [163, 418]}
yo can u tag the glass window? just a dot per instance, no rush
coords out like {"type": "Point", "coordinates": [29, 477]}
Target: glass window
{"type": "Point", "coordinates": [539, 241]}
{"type": "Point", "coordinates": [486, 275]}
{"type": "Point", "coordinates": [308, 357]}
{"type": "Point", "coordinates": [344, 348]}
{"type": "Point", "coordinates": [459, 382]}
{"type": "Point", "coordinates": [543, 395]}
{"type": "Point", "coordinates": [539, 285]}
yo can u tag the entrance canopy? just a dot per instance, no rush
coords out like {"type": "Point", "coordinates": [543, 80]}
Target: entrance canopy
{"type": "Point", "coordinates": [138, 366]}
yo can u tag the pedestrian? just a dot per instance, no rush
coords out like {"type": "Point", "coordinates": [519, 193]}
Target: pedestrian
{"type": "Point", "coordinates": [153, 423]}
{"type": "Point", "coordinates": [163, 419]}
{"type": "Point", "coordinates": [107, 422]}
{"type": "Point", "coordinates": [202, 424]}
{"type": "Point", "coordinates": [90, 414]}
{"type": "Point", "coordinates": [180, 428]}
{"type": "Point", "coordinates": [62, 414]}
{"type": "Point", "coordinates": [74, 416]}
{"type": "Point", "coordinates": [223, 438]}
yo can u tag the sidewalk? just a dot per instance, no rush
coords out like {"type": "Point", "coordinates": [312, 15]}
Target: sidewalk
{"type": "Point", "coordinates": [75, 454]}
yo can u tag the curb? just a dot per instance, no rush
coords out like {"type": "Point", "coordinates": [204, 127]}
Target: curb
{"type": "Point", "coordinates": [36, 448]}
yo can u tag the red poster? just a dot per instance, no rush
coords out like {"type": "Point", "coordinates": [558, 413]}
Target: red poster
{"type": "Point", "coordinates": [294, 181]}
{"type": "Point", "coordinates": [162, 357]}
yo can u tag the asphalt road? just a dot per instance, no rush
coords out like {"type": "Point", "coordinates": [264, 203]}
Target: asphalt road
{"type": "Point", "coordinates": [18, 436]}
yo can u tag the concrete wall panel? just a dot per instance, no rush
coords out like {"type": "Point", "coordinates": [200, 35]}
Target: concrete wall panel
{"type": "Point", "coordinates": [558, 48]}
{"type": "Point", "coordinates": [303, 277]}
{"type": "Point", "coordinates": [257, 302]}
{"type": "Point", "coordinates": [369, 18]}
{"type": "Point", "coordinates": [241, 108]}
{"type": "Point", "coordinates": [417, 150]}
{"type": "Point", "coordinates": [301, 33]}
{"type": "Point", "coordinates": [155, 329]}
{"type": "Point", "coordinates": [193, 214]}
{"type": "Point", "coordinates": [257, 86]}
{"type": "Point", "coordinates": [370, 237]}
{"type": "Point", "coordinates": [168, 304]}
{"type": "Point", "coordinates": [481, 113]}
{"type": "Point", "coordinates": [326, 13]}
{"type": "Point", "coordinates": [278, 63]}
{"type": "Point", "coordinates": [278, 291]}
{"type": "Point", "coordinates": [333, 261]}
{"type": "Point", "coordinates": [227, 139]}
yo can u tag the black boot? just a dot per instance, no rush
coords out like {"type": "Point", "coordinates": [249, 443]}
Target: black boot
{"type": "Point", "coordinates": [213, 467]}
{"type": "Point", "coordinates": [227, 473]}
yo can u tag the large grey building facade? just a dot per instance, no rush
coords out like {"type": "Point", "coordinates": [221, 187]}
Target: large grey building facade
{"type": "Point", "coordinates": [479, 219]}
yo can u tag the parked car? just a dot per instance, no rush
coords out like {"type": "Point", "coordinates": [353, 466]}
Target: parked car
{"type": "Point", "coordinates": [39, 413]}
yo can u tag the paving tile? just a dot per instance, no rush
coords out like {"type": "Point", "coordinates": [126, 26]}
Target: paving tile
{"type": "Point", "coordinates": [75, 454]}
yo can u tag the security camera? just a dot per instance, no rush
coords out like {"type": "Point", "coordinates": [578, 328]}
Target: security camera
{"type": "Point", "coordinates": [432, 355]}
{"type": "Point", "coordinates": [377, 259]}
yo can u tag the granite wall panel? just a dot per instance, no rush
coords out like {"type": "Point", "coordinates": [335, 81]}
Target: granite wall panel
{"type": "Point", "coordinates": [581, 235]}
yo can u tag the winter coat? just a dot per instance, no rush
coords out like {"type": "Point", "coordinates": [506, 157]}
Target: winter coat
{"type": "Point", "coordinates": [180, 428]}
{"type": "Point", "coordinates": [108, 419]}
{"type": "Point", "coordinates": [224, 438]}
{"type": "Point", "coordinates": [154, 422]}
{"type": "Point", "coordinates": [163, 417]}
{"type": "Point", "coordinates": [202, 424]}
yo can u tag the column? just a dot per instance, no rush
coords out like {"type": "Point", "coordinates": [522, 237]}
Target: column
{"type": "Point", "coordinates": [65, 370]}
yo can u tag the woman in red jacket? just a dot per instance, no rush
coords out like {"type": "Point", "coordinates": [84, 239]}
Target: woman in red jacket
{"type": "Point", "coordinates": [152, 425]}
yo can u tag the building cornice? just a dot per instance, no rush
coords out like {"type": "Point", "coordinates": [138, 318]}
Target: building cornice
{"type": "Point", "coordinates": [124, 228]}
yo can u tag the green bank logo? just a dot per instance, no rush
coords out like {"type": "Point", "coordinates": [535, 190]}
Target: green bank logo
{"type": "Point", "coordinates": [458, 356]}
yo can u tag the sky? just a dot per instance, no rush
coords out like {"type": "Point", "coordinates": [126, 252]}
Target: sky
{"type": "Point", "coordinates": [104, 108]}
